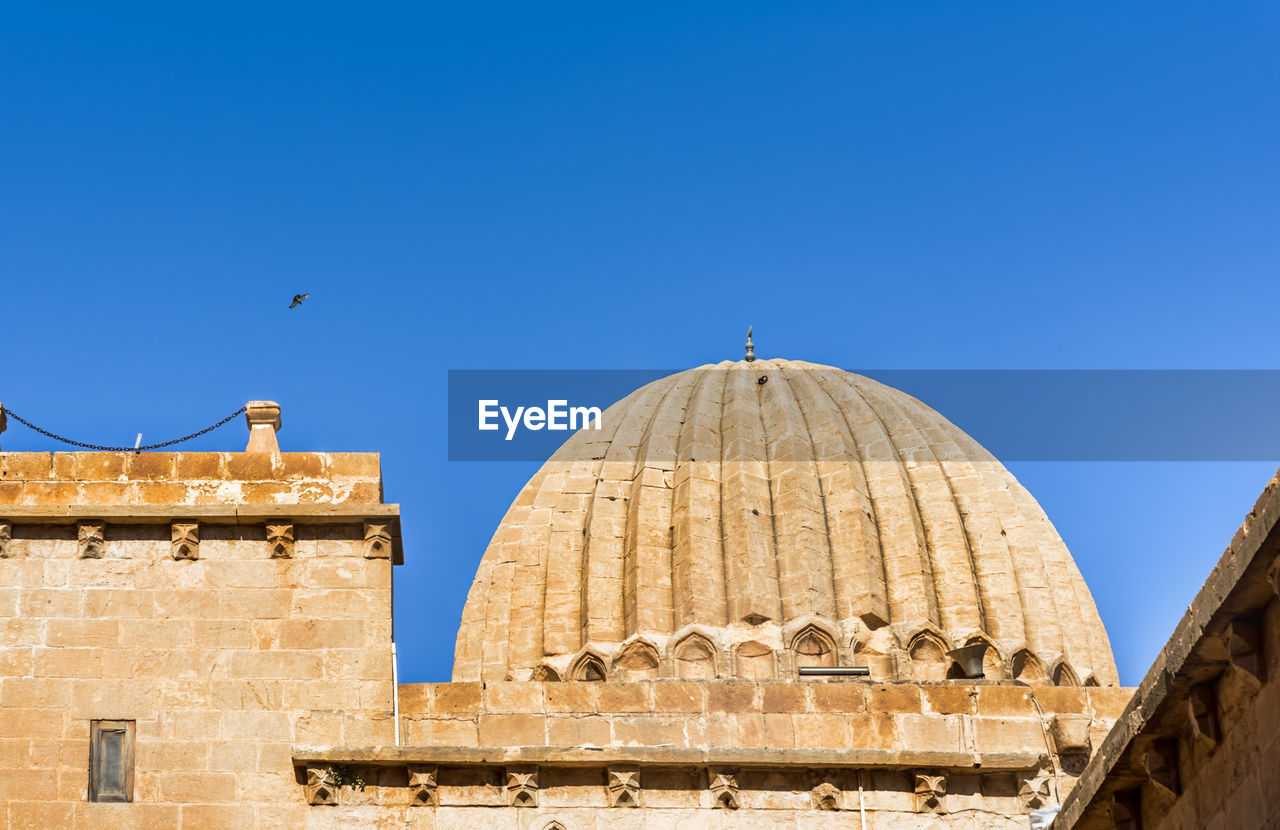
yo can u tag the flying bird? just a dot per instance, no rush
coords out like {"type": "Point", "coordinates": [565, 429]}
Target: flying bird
{"type": "Point", "coordinates": [297, 300]}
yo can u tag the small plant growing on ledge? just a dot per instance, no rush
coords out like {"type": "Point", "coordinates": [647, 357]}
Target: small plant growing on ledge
{"type": "Point", "coordinates": [346, 775]}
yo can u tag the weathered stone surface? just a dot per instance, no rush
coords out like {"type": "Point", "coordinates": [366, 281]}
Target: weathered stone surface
{"type": "Point", "coordinates": [225, 661]}
{"type": "Point", "coordinates": [259, 674]}
{"type": "Point", "coordinates": [718, 527]}
{"type": "Point", "coordinates": [186, 540]}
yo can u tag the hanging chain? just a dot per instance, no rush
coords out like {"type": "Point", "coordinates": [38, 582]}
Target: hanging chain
{"type": "Point", "coordinates": [15, 416]}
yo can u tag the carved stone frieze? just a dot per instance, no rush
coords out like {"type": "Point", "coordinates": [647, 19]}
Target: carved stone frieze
{"type": "Point", "coordinates": [422, 785]}
{"type": "Point", "coordinates": [1036, 790]}
{"type": "Point", "coordinates": [280, 538]}
{"type": "Point", "coordinates": [522, 786]}
{"type": "Point", "coordinates": [185, 540]}
{"type": "Point", "coordinates": [377, 540]}
{"type": "Point", "coordinates": [724, 789]}
{"type": "Point", "coordinates": [825, 796]}
{"type": "Point", "coordinates": [6, 536]}
{"type": "Point", "coordinates": [321, 786]}
{"type": "Point", "coordinates": [624, 786]}
{"type": "Point", "coordinates": [931, 791]}
{"type": "Point", "coordinates": [92, 539]}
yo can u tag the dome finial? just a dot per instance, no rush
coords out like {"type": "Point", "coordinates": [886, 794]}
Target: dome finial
{"type": "Point", "coordinates": [751, 347]}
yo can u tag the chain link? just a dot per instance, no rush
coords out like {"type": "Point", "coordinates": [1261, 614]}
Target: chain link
{"type": "Point", "coordinates": [15, 416]}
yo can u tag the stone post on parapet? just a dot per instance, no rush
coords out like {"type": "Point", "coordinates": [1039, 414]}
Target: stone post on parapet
{"type": "Point", "coordinates": [263, 418]}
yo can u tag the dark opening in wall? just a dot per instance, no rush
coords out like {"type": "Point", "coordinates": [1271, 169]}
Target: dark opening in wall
{"type": "Point", "coordinates": [111, 760]}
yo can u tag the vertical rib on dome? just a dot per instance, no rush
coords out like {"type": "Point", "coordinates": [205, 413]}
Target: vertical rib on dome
{"type": "Point", "coordinates": [697, 553]}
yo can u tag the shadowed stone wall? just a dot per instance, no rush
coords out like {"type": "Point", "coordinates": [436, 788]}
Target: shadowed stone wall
{"type": "Point", "coordinates": [1199, 744]}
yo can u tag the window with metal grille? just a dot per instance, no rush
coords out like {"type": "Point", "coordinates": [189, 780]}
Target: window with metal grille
{"type": "Point", "coordinates": [111, 760]}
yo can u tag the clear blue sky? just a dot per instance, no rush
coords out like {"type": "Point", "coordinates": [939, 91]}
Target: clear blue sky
{"type": "Point", "coordinates": [925, 185]}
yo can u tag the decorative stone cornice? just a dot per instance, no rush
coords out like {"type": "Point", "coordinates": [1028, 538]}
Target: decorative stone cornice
{"type": "Point", "coordinates": [242, 514]}
{"type": "Point", "coordinates": [278, 516]}
{"type": "Point", "coordinates": [724, 788]}
{"type": "Point", "coordinates": [322, 785]}
{"type": "Point", "coordinates": [522, 786]}
{"type": "Point", "coordinates": [91, 535]}
{"type": "Point", "coordinates": [377, 540]}
{"type": "Point", "coordinates": [185, 538]}
{"type": "Point", "coordinates": [423, 785]}
{"type": "Point", "coordinates": [937, 761]}
{"type": "Point", "coordinates": [623, 786]}
{"type": "Point", "coordinates": [931, 791]}
{"type": "Point", "coordinates": [280, 537]}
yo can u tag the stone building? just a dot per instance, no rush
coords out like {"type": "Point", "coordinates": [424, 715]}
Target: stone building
{"type": "Point", "coordinates": [765, 594]}
{"type": "Point", "coordinates": [1199, 743]}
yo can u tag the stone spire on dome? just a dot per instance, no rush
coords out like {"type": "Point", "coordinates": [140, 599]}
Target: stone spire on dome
{"type": "Point", "coordinates": [751, 347]}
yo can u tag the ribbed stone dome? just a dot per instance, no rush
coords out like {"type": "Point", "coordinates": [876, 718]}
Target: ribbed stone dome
{"type": "Point", "coordinates": [744, 519]}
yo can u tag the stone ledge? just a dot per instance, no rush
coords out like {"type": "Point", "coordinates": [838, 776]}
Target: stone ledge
{"type": "Point", "coordinates": [582, 756]}
{"type": "Point", "coordinates": [187, 466]}
{"type": "Point", "coordinates": [339, 513]}
{"type": "Point", "coordinates": [849, 696]}
{"type": "Point", "coordinates": [213, 514]}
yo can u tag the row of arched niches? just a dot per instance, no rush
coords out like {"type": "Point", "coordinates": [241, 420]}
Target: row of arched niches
{"type": "Point", "coordinates": [778, 653]}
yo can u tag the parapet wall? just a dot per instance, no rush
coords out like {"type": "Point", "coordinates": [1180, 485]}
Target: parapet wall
{"type": "Point", "coordinates": [948, 717]}
{"type": "Point", "coordinates": [715, 754]}
{"type": "Point", "coordinates": [196, 478]}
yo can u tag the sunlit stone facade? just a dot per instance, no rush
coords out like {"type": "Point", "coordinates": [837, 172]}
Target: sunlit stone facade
{"type": "Point", "coordinates": [204, 639]}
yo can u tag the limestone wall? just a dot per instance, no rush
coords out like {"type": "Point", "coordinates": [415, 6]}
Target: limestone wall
{"type": "Point", "coordinates": [795, 754]}
{"type": "Point", "coordinates": [1236, 784]}
{"type": "Point", "coordinates": [944, 717]}
{"type": "Point", "coordinates": [232, 604]}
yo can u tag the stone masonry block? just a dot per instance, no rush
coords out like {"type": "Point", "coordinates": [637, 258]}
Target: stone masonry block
{"type": "Point", "coordinates": [571, 697]}
{"type": "Point", "coordinates": [25, 466]}
{"type": "Point", "coordinates": [786, 697]}
{"type": "Point", "coordinates": [150, 466]}
{"type": "Point", "coordinates": [901, 698]}
{"type": "Point", "coordinates": [72, 633]}
{"type": "Point", "coordinates": [838, 697]}
{"type": "Point", "coordinates": [248, 466]}
{"type": "Point", "coordinates": [364, 465]}
{"type": "Point", "coordinates": [571, 730]}
{"type": "Point", "coordinates": [440, 731]}
{"type": "Point", "coordinates": [625, 697]}
{"type": "Point", "coordinates": [457, 699]}
{"type": "Point", "coordinates": [415, 698]}
{"type": "Point", "coordinates": [821, 730]}
{"type": "Point", "coordinates": [510, 697]}
{"type": "Point", "coordinates": [198, 465]}
{"type": "Point", "coordinates": [949, 699]}
{"type": "Point", "coordinates": [997, 701]}
{"type": "Point", "coordinates": [513, 730]}
{"type": "Point", "coordinates": [874, 730]}
{"type": "Point", "coordinates": [732, 697]}
{"type": "Point", "coordinates": [678, 697]}
{"type": "Point", "coordinates": [647, 730]}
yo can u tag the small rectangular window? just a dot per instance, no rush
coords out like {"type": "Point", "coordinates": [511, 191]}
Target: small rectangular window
{"type": "Point", "coordinates": [111, 760]}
